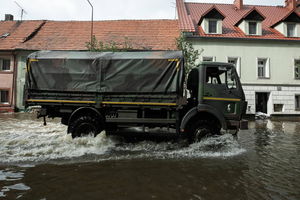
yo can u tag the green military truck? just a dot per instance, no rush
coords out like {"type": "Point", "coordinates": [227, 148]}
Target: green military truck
{"type": "Point", "coordinates": [92, 92]}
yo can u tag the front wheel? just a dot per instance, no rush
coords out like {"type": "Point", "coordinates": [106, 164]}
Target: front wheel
{"type": "Point", "coordinates": [199, 130]}
{"type": "Point", "coordinates": [84, 126]}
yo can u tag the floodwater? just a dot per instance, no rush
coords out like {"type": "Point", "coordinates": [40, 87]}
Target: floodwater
{"type": "Point", "coordinates": [38, 162]}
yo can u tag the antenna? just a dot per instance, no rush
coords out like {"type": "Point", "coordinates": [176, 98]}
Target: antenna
{"type": "Point", "coordinates": [175, 7]}
{"type": "Point", "coordinates": [22, 10]}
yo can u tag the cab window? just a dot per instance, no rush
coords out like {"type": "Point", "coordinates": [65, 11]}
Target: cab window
{"type": "Point", "coordinates": [221, 76]}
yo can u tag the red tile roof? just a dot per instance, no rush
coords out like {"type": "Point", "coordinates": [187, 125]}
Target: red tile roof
{"type": "Point", "coordinates": [73, 35]}
{"type": "Point", "coordinates": [272, 14]}
{"type": "Point", "coordinates": [12, 33]}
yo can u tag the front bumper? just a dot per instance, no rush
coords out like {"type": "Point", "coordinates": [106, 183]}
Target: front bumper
{"type": "Point", "coordinates": [234, 125]}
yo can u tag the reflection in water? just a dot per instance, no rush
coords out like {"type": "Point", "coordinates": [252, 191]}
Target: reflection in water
{"type": "Point", "coordinates": [44, 163]}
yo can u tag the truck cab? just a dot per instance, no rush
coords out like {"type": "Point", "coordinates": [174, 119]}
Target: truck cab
{"type": "Point", "coordinates": [216, 99]}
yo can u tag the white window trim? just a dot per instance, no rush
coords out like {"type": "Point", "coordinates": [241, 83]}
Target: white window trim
{"type": "Point", "coordinates": [238, 66]}
{"type": "Point", "coordinates": [267, 69]}
{"type": "Point", "coordinates": [205, 25]}
{"type": "Point", "coordinates": [213, 58]}
{"type": "Point", "coordinates": [258, 27]}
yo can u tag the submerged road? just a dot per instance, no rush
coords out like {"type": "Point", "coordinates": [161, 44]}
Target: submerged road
{"type": "Point", "coordinates": [38, 162]}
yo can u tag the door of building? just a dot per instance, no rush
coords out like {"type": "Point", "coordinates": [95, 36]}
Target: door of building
{"type": "Point", "coordinates": [261, 101]}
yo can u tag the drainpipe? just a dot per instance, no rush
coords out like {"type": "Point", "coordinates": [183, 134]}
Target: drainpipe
{"type": "Point", "coordinates": [14, 83]}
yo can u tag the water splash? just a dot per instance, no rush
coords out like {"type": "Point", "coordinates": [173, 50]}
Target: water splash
{"type": "Point", "coordinates": [28, 141]}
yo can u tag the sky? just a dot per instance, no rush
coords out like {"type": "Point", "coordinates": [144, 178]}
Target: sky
{"type": "Point", "coordinates": [65, 10]}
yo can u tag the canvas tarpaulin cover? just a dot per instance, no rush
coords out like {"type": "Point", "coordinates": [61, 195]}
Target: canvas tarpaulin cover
{"type": "Point", "coordinates": [119, 72]}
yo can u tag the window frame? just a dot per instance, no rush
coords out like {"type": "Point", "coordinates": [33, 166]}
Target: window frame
{"type": "Point", "coordinates": [216, 26]}
{"type": "Point", "coordinates": [2, 60]}
{"type": "Point", "coordinates": [237, 65]}
{"type": "Point", "coordinates": [256, 28]}
{"type": "Point", "coordinates": [294, 29]}
{"type": "Point", "coordinates": [4, 102]}
{"type": "Point", "coordinates": [294, 66]}
{"type": "Point", "coordinates": [297, 108]}
{"type": "Point", "coordinates": [266, 68]}
{"type": "Point", "coordinates": [213, 58]}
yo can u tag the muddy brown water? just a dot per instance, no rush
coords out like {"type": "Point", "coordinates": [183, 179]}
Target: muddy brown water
{"type": "Point", "coordinates": [38, 162]}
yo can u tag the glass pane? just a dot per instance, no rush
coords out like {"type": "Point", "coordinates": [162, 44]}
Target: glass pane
{"type": "Point", "coordinates": [208, 59]}
{"type": "Point", "coordinates": [297, 99]}
{"type": "Point", "coordinates": [6, 65]}
{"type": "Point", "coordinates": [212, 26]}
{"type": "Point", "coordinates": [221, 76]}
{"type": "Point", "coordinates": [4, 96]}
{"type": "Point", "coordinates": [252, 28]}
{"type": "Point", "coordinates": [291, 30]}
{"type": "Point", "coordinates": [297, 68]}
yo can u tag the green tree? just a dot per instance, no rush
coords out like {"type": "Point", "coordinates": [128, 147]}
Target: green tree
{"type": "Point", "coordinates": [189, 53]}
{"type": "Point", "coordinates": [98, 45]}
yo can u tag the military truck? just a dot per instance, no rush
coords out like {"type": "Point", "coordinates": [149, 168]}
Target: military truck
{"type": "Point", "coordinates": [92, 92]}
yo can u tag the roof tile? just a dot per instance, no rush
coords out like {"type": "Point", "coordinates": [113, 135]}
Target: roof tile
{"type": "Point", "coordinates": [272, 14]}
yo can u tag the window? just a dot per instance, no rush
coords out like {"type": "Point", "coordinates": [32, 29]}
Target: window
{"type": "Point", "coordinates": [3, 96]}
{"type": "Point", "coordinates": [221, 76]}
{"type": "Point", "coordinates": [263, 68]}
{"type": "Point", "coordinates": [212, 26]}
{"type": "Point", "coordinates": [297, 68]}
{"type": "Point", "coordinates": [297, 102]}
{"type": "Point", "coordinates": [278, 107]}
{"type": "Point", "coordinates": [252, 28]}
{"type": "Point", "coordinates": [291, 30]}
{"type": "Point", "coordinates": [208, 59]}
{"type": "Point", "coordinates": [236, 62]}
{"type": "Point", "coordinates": [4, 64]}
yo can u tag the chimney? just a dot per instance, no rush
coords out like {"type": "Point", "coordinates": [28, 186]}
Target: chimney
{"type": "Point", "coordinates": [291, 4]}
{"type": "Point", "coordinates": [238, 4]}
{"type": "Point", "coordinates": [9, 17]}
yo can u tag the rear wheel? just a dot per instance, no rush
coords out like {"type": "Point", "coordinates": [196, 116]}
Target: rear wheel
{"type": "Point", "coordinates": [84, 126]}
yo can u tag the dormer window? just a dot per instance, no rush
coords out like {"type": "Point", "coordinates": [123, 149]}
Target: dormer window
{"type": "Point", "coordinates": [212, 26]}
{"type": "Point", "coordinates": [251, 23]}
{"type": "Point", "coordinates": [211, 22]}
{"type": "Point", "coordinates": [253, 28]}
{"type": "Point", "coordinates": [289, 26]}
{"type": "Point", "coordinates": [291, 30]}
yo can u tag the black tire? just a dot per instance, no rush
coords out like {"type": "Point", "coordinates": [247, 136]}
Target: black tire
{"type": "Point", "coordinates": [199, 130]}
{"type": "Point", "coordinates": [85, 125]}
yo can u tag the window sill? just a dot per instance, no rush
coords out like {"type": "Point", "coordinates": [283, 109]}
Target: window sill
{"type": "Point", "coordinates": [263, 78]}
{"type": "Point", "coordinates": [6, 72]}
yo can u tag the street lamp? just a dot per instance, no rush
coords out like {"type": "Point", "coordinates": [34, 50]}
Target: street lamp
{"type": "Point", "coordinates": [92, 25]}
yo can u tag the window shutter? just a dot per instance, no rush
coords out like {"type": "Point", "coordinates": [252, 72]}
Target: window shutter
{"type": "Point", "coordinates": [205, 25]}
{"type": "Point", "coordinates": [247, 28]}
{"type": "Point", "coordinates": [285, 29]}
{"type": "Point", "coordinates": [219, 27]}
{"type": "Point", "coordinates": [238, 67]}
{"type": "Point", "coordinates": [268, 68]}
{"type": "Point", "coordinates": [259, 28]}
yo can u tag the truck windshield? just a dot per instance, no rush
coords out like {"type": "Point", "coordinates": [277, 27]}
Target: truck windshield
{"type": "Point", "coordinates": [221, 76]}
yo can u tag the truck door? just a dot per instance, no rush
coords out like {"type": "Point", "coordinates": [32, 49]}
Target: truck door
{"type": "Point", "coordinates": [223, 91]}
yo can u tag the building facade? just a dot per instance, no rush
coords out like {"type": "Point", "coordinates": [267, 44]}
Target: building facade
{"type": "Point", "coordinates": [12, 34]}
{"type": "Point", "coordinates": [262, 41]}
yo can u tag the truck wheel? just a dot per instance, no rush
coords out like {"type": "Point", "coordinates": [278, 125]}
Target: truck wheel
{"type": "Point", "coordinates": [199, 130]}
{"type": "Point", "coordinates": [84, 126]}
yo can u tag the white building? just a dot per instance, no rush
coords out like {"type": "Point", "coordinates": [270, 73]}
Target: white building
{"type": "Point", "coordinates": [262, 41]}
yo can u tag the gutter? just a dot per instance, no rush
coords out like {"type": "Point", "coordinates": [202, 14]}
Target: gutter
{"type": "Point", "coordinates": [244, 39]}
